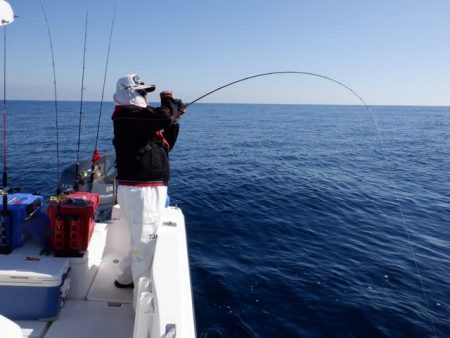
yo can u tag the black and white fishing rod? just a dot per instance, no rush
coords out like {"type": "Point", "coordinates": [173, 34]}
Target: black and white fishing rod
{"type": "Point", "coordinates": [77, 164]}
{"type": "Point", "coordinates": [96, 153]}
{"type": "Point", "coordinates": [58, 189]}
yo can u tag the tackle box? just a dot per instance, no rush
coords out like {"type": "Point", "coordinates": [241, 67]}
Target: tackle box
{"type": "Point", "coordinates": [32, 287]}
{"type": "Point", "coordinates": [72, 222]}
{"type": "Point", "coordinates": [21, 211]}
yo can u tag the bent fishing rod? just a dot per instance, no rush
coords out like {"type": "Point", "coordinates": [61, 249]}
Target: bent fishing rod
{"type": "Point", "coordinates": [282, 72]}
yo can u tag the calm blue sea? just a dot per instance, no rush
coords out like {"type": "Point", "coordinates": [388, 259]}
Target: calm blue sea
{"type": "Point", "coordinates": [302, 220]}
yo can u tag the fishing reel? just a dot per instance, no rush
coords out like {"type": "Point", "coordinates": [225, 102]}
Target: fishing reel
{"type": "Point", "coordinates": [85, 175]}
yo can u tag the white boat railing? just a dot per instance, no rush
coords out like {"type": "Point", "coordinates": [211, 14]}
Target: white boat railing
{"type": "Point", "coordinates": [145, 311]}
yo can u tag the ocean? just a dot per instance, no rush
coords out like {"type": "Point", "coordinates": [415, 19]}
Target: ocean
{"type": "Point", "coordinates": [302, 220]}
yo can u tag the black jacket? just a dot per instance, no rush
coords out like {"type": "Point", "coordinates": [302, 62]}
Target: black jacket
{"type": "Point", "coordinates": [142, 139]}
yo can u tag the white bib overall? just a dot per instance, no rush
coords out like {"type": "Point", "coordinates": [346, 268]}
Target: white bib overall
{"type": "Point", "coordinates": [142, 208]}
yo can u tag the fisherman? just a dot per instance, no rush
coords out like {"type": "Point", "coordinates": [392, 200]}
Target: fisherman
{"type": "Point", "coordinates": [143, 137]}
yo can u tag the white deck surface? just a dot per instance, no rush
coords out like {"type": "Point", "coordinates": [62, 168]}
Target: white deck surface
{"type": "Point", "coordinates": [103, 288]}
{"type": "Point", "coordinates": [84, 319]}
{"type": "Point", "coordinates": [33, 329]}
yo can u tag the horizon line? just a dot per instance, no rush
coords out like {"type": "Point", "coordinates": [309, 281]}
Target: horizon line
{"type": "Point", "coordinates": [260, 103]}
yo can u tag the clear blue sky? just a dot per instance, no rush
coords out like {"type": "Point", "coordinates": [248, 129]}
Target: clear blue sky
{"type": "Point", "coordinates": [390, 52]}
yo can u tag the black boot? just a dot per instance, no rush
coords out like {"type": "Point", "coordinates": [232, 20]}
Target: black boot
{"type": "Point", "coordinates": [123, 286]}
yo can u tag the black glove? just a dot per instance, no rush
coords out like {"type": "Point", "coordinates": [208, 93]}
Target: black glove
{"type": "Point", "coordinates": [181, 106]}
{"type": "Point", "coordinates": [166, 95]}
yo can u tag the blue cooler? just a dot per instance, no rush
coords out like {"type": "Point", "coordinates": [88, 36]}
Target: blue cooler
{"type": "Point", "coordinates": [38, 228]}
{"type": "Point", "coordinates": [22, 208]}
{"type": "Point", "coordinates": [32, 287]}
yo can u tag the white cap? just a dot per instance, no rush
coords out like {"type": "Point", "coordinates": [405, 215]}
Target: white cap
{"type": "Point", "coordinates": [133, 81]}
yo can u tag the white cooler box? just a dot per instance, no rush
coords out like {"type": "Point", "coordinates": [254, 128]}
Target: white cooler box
{"type": "Point", "coordinates": [32, 287]}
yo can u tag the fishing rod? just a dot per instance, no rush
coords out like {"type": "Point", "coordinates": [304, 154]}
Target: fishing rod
{"type": "Point", "coordinates": [276, 73]}
{"type": "Point", "coordinates": [77, 165]}
{"type": "Point", "coordinates": [7, 17]}
{"type": "Point", "coordinates": [5, 173]}
{"type": "Point", "coordinates": [96, 154]}
{"type": "Point", "coordinates": [58, 189]}
{"type": "Point", "coordinates": [4, 239]}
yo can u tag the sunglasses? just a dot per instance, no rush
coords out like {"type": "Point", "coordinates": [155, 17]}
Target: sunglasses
{"type": "Point", "coordinates": [142, 92]}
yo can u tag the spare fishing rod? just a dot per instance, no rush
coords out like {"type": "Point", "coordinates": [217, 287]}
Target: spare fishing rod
{"type": "Point", "coordinates": [5, 174]}
{"type": "Point", "coordinates": [96, 154]}
{"type": "Point", "coordinates": [58, 189]}
{"type": "Point", "coordinates": [7, 17]}
{"type": "Point", "coordinates": [77, 165]}
{"type": "Point", "coordinates": [4, 239]}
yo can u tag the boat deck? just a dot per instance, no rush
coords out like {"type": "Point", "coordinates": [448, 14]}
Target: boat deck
{"type": "Point", "coordinates": [94, 308]}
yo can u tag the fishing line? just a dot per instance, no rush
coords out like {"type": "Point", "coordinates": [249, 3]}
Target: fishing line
{"type": "Point", "coordinates": [395, 189]}
{"type": "Point", "coordinates": [96, 152]}
{"type": "Point", "coordinates": [381, 141]}
{"type": "Point", "coordinates": [77, 165]}
{"type": "Point", "coordinates": [58, 190]}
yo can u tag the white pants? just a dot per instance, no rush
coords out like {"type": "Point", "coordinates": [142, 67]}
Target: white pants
{"type": "Point", "coordinates": [142, 209]}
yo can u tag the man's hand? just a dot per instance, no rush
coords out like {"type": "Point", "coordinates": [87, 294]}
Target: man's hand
{"type": "Point", "coordinates": [181, 106]}
{"type": "Point", "coordinates": [166, 95]}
